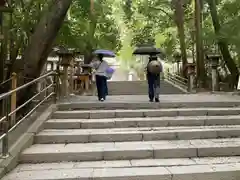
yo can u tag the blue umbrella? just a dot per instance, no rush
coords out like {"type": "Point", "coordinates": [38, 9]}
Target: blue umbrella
{"type": "Point", "coordinates": [105, 53]}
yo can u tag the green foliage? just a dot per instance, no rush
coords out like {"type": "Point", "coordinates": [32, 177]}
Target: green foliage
{"type": "Point", "coordinates": [154, 21]}
{"type": "Point", "coordinates": [121, 25]}
{"type": "Point", "coordinates": [25, 16]}
{"type": "Point", "coordinates": [88, 30]}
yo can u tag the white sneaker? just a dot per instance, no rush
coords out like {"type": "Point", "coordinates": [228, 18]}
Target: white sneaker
{"type": "Point", "coordinates": [102, 99]}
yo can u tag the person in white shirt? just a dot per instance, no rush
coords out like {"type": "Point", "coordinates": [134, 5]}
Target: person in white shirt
{"type": "Point", "coordinates": [101, 67]}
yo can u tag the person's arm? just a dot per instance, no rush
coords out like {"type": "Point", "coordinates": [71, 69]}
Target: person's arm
{"type": "Point", "coordinates": [94, 64]}
{"type": "Point", "coordinates": [146, 68]}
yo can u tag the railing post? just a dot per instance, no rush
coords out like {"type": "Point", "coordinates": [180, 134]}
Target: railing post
{"type": "Point", "coordinates": [13, 98]}
{"type": "Point", "coordinates": [5, 128]}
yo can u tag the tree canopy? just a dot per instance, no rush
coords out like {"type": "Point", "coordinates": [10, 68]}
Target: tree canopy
{"type": "Point", "coordinates": [121, 25]}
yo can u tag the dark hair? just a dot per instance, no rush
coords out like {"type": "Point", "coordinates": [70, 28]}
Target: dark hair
{"type": "Point", "coordinates": [153, 57]}
{"type": "Point", "coordinates": [100, 57]}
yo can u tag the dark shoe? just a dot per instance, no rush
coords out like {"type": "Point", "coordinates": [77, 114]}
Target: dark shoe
{"type": "Point", "coordinates": [150, 100]}
{"type": "Point", "coordinates": [157, 100]}
{"type": "Point", "coordinates": [102, 99]}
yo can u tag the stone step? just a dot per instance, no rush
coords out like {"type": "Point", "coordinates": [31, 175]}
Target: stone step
{"type": "Point", "coordinates": [131, 150]}
{"type": "Point", "coordinates": [130, 163]}
{"type": "Point", "coordinates": [70, 171]}
{"type": "Point", "coordinates": [139, 87]}
{"type": "Point", "coordinates": [136, 134]}
{"type": "Point", "coordinates": [142, 105]}
{"type": "Point", "coordinates": [120, 113]}
{"type": "Point", "coordinates": [141, 122]}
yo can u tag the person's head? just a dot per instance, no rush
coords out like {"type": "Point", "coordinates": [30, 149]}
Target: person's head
{"type": "Point", "coordinates": [152, 58]}
{"type": "Point", "coordinates": [100, 57]}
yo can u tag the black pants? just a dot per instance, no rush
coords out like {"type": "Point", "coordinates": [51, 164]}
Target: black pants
{"type": "Point", "coordinates": [102, 89]}
{"type": "Point", "coordinates": [153, 85]}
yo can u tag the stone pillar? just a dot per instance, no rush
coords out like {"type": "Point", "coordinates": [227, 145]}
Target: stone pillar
{"type": "Point", "coordinates": [214, 60]}
{"type": "Point", "coordinates": [71, 83]}
{"type": "Point", "coordinates": [51, 65]}
{"type": "Point", "coordinates": [178, 67]}
{"type": "Point", "coordinates": [178, 57]}
{"type": "Point", "coordinates": [65, 58]}
{"type": "Point", "coordinates": [65, 80]}
{"type": "Point", "coordinates": [191, 74]}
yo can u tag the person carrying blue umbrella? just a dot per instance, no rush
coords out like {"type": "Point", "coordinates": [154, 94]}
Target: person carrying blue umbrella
{"type": "Point", "coordinates": [102, 70]}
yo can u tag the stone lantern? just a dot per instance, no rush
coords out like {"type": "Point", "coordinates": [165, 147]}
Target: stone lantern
{"type": "Point", "coordinates": [191, 69]}
{"type": "Point", "coordinates": [214, 61]}
{"type": "Point", "coordinates": [66, 59]}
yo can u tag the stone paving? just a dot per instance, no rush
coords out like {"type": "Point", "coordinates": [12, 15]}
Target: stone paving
{"type": "Point", "coordinates": [139, 88]}
{"type": "Point", "coordinates": [117, 141]}
{"type": "Point", "coordinates": [172, 98]}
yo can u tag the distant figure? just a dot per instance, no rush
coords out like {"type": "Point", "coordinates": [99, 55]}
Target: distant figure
{"type": "Point", "coordinates": [101, 67]}
{"type": "Point", "coordinates": [154, 68]}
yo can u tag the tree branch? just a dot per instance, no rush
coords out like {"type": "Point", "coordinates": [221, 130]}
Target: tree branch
{"type": "Point", "coordinates": [162, 10]}
{"type": "Point", "coordinates": [22, 4]}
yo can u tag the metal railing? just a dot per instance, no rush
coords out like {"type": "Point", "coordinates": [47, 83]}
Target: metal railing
{"type": "Point", "coordinates": [6, 81]}
{"type": "Point", "coordinates": [8, 121]}
{"type": "Point", "coordinates": [178, 80]}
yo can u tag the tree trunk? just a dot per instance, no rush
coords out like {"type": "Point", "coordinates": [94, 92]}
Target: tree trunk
{"type": "Point", "coordinates": [14, 52]}
{"type": "Point", "coordinates": [2, 59]}
{"type": "Point", "coordinates": [91, 38]}
{"type": "Point", "coordinates": [222, 43]}
{"type": "Point", "coordinates": [88, 57]}
{"type": "Point", "coordinates": [43, 37]}
{"type": "Point", "coordinates": [199, 44]}
{"type": "Point", "coordinates": [179, 19]}
{"type": "Point", "coordinates": [40, 44]}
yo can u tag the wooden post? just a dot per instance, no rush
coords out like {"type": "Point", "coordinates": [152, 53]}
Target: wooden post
{"type": "Point", "coordinates": [13, 98]}
{"type": "Point", "coordinates": [87, 83]}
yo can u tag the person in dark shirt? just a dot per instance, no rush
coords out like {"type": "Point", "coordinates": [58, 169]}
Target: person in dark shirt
{"type": "Point", "coordinates": [153, 79]}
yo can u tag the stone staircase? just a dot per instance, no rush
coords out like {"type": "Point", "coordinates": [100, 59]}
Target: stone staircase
{"type": "Point", "coordinates": [139, 88]}
{"type": "Point", "coordinates": [158, 142]}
